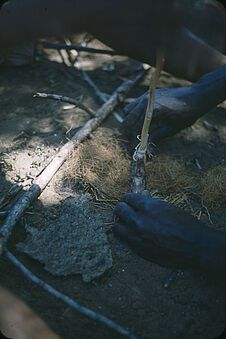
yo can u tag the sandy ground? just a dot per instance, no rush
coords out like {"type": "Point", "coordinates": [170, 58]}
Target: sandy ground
{"type": "Point", "coordinates": [131, 292]}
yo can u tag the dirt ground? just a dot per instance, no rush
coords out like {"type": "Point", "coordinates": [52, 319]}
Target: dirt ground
{"type": "Point", "coordinates": [131, 292]}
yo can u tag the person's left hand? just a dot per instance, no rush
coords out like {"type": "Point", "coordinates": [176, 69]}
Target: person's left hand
{"type": "Point", "coordinates": [162, 233]}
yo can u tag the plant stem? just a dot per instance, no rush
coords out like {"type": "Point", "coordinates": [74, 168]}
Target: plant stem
{"type": "Point", "coordinates": [141, 151]}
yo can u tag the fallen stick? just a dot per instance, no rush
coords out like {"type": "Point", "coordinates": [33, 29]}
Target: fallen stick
{"type": "Point", "coordinates": [40, 184]}
{"type": "Point", "coordinates": [42, 181]}
{"type": "Point", "coordinates": [64, 57]}
{"type": "Point", "coordinates": [138, 182]}
{"type": "Point", "coordinates": [96, 90]}
{"type": "Point", "coordinates": [63, 98]}
{"type": "Point", "coordinates": [101, 96]}
{"type": "Point", "coordinates": [68, 47]}
{"type": "Point", "coordinates": [76, 53]}
{"type": "Point", "coordinates": [67, 300]}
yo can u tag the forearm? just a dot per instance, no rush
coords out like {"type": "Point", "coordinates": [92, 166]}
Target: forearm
{"type": "Point", "coordinates": [210, 90]}
{"type": "Point", "coordinates": [189, 57]}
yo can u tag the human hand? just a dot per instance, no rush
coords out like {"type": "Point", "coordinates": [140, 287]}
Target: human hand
{"type": "Point", "coordinates": [176, 108]}
{"type": "Point", "coordinates": [163, 233]}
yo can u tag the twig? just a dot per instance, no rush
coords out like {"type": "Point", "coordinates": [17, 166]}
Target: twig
{"type": "Point", "coordinates": [138, 183]}
{"type": "Point", "coordinates": [64, 57]}
{"type": "Point", "coordinates": [197, 164]}
{"type": "Point", "coordinates": [207, 212]}
{"type": "Point", "coordinates": [70, 47]}
{"type": "Point", "coordinates": [141, 150]}
{"type": "Point", "coordinates": [67, 300]}
{"type": "Point", "coordinates": [72, 55]}
{"type": "Point", "coordinates": [96, 90]}
{"type": "Point", "coordinates": [172, 277]}
{"type": "Point", "coordinates": [86, 38]}
{"type": "Point", "coordinates": [209, 126]}
{"type": "Point", "coordinates": [65, 99]}
{"type": "Point", "coordinates": [138, 169]}
{"type": "Point", "coordinates": [101, 96]}
{"type": "Point", "coordinates": [35, 190]}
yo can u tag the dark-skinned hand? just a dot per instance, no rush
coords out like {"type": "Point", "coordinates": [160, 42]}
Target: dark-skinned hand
{"type": "Point", "coordinates": [176, 108]}
{"type": "Point", "coordinates": [168, 236]}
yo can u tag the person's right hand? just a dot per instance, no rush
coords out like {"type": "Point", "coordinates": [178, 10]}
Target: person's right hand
{"type": "Point", "coordinates": [176, 108]}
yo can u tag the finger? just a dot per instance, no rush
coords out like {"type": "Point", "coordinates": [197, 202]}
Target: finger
{"type": "Point", "coordinates": [126, 234]}
{"type": "Point", "coordinates": [130, 107]}
{"type": "Point", "coordinates": [140, 202]}
{"type": "Point", "coordinates": [126, 214]}
{"type": "Point", "coordinates": [131, 117]}
{"type": "Point", "coordinates": [135, 112]}
{"type": "Point", "coordinates": [161, 133]}
{"type": "Point", "coordinates": [146, 250]}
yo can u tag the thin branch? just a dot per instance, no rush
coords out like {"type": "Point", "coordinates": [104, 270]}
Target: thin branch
{"type": "Point", "coordinates": [64, 57]}
{"type": "Point", "coordinates": [101, 96]}
{"type": "Point", "coordinates": [72, 55]}
{"type": "Point", "coordinates": [172, 277]}
{"type": "Point", "coordinates": [65, 99]}
{"type": "Point", "coordinates": [207, 212]}
{"type": "Point", "coordinates": [141, 150]}
{"type": "Point", "coordinates": [68, 47]}
{"type": "Point", "coordinates": [40, 184]}
{"type": "Point", "coordinates": [138, 182]}
{"type": "Point", "coordinates": [67, 300]}
{"type": "Point", "coordinates": [96, 90]}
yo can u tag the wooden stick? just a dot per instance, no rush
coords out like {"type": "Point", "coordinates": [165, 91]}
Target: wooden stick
{"type": "Point", "coordinates": [40, 184]}
{"type": "Point", "coordinates": [63, 98]}
{"type": "Point", "coordinates": [141, 151]}
{"type": "Point", "coordinates": [70, 302]}
{"type": "Point", "coordinates": [68, 47]}
{"type": "Point", "coordinates": [98, 93]}
{"type": "Point", "coordinates": [138, 183]}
